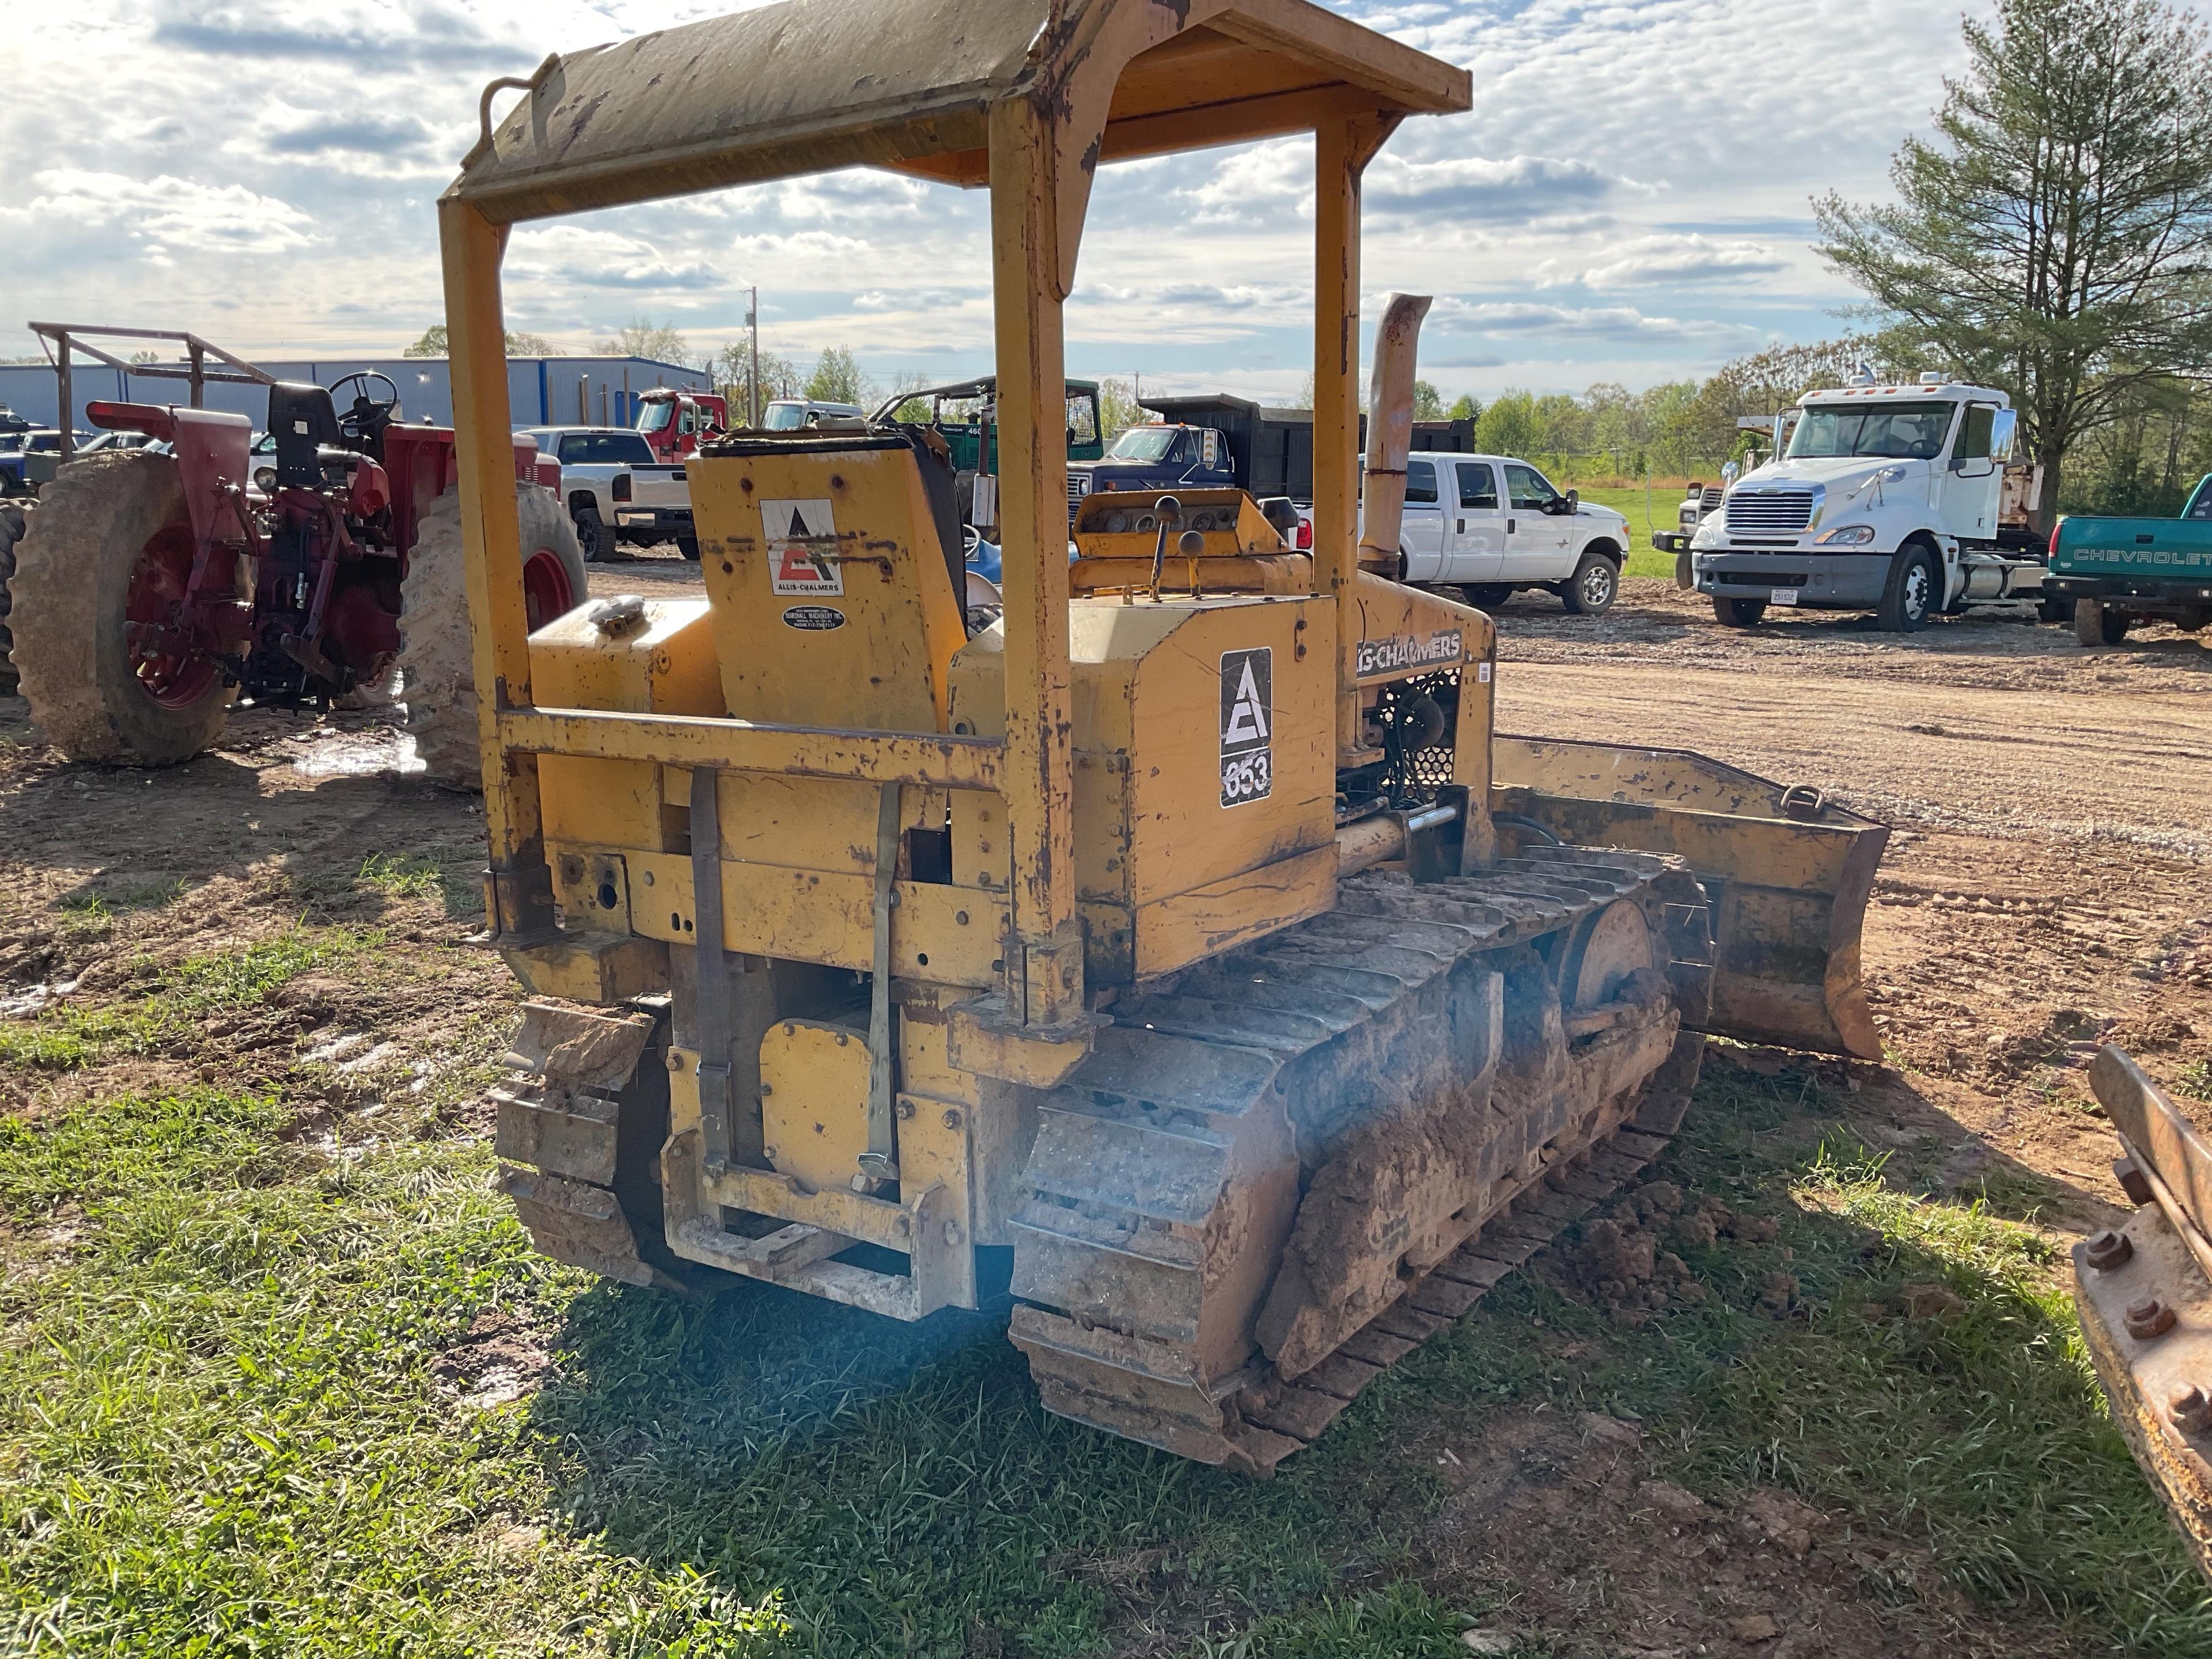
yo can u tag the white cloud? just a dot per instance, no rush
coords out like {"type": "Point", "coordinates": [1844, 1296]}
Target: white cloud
{"type": "Point", "coordinates": [1673, 257]}
{"type": "Point", "coordinates": [175, 213]}
{"type": "Point", "coordinates": [1661, 151]}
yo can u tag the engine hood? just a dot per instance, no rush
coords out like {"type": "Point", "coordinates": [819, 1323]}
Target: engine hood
{"type": "Point", "coordinates": [1839, 474]}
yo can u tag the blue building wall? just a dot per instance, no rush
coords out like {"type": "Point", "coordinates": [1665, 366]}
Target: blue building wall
{"type": "Point", "coordinates": [540, 391]}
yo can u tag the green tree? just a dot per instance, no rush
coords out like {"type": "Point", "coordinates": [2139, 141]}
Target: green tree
{"type": "Point", "coordinates": [1509, 426]}
{"type": "Point", "coordinates": [1428, 402]}
{"type": "Point", "coordinates": [836, 378]}
{"type": "Point", "coordinates": [2052, 237]}
{"type": "Point", "coordinates": [643, 337]}
{"type": "Point", "coordinates": [519, 345]}
{"type": "Point", "coordinates": [1466, 408]}
{"type": "Point", "coordinates": [1117, 409]}
{"type": "Point", "coordinates": [733, 369]}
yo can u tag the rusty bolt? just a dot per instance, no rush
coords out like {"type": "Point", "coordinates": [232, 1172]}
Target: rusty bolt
{"type": "Point", "coordinates": [953, 1118]}
{"type": "Point", "coordinates": [905, 1109]}
{"type": "Point", "coordinates": [2149, 1318]}
{"type": "Point", "coordinates": [2108, 1250]}
{"type": "Point", "coordinates": [675, 1061]}
{"type": "Point", "coordinates": [2190, 1411]}
{"type": "Point", "coordinates": [2132, 1181]}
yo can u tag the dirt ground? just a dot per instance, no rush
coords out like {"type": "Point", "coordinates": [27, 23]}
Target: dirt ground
{"type": "Point", "coordinates": [2050, 882]}
{"type": "Point", "coordinates": [2049, 886]}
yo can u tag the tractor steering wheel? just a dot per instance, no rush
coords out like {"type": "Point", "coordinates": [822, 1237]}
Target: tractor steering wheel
{"type": "Point", "coordinates": [367, 416]}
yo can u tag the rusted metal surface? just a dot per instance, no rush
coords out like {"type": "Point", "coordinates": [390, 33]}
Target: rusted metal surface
{"type": "Point", "coordinates": [813, 85]}
{"type": "Point", "coordinates": [2144, 1295]}
{"type": "Point", "coordinates": [1266, 1152]}
{"type": "Point", "coordinates": [2151, 1367]}
{"type": "Point", "coordinates": [1789, 878]}
{"type": "Point", "coordinates": [1390, 429]}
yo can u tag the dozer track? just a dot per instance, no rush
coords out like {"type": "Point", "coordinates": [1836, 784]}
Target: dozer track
{"type": "Point", "coordinates": [1282, 1168]}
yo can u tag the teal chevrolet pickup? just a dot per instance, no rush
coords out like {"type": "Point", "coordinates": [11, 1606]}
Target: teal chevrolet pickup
{"type": "Point", "coordinates": [2117, 572]}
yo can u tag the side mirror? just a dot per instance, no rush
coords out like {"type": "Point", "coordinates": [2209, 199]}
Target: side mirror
{"type": "Point", "coordinates": [1574, 501]}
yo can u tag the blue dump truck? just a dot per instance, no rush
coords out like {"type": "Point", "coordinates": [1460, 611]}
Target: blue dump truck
{"type": "Point", "coordinates": [2117, 572]}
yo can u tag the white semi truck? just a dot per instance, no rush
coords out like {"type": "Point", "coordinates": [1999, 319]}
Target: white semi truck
{"type": "Point", "coordinates": [1898, 500]}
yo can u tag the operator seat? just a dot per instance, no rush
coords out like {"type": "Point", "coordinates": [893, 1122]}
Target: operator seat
{"type": "Point", "coordinates": [304, 422]}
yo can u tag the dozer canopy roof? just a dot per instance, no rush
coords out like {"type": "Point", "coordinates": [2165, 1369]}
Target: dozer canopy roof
{"type": "Point", "coordinates": [812, 85]}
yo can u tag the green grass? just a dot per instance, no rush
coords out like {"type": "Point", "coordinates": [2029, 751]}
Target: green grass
{"type": "Point", "coordinates": [219, 1423]}
{"type": "Point", "coordinates": [236, 979]}
{"type": "Point", "coordinates": [422, 875]}
{"type": "Point", "coordinates": [1643, 559]}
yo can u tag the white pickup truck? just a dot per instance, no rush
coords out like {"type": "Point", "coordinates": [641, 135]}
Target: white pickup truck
{"type": "Point", "coordinates": [1492, 525]}
{"type": "Point", "coordinates": [1892, 499]}
{"type": "Point", "coordinates": [615, 489]}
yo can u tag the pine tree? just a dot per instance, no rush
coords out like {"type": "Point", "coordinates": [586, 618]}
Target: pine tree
{"type": "Point", "coordinates": [2052, 238]}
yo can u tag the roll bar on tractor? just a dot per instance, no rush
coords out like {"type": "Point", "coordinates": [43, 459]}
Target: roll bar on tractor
{"type": "Point", "coordinates": [1022, 98]}
{"type": "Point", "coordinates": [61, 339]}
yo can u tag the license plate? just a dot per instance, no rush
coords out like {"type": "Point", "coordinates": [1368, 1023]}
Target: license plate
{"type": "Point", "coordinates": [1785, 596]}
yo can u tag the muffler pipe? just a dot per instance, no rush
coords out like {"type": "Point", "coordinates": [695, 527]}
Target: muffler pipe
{"type": "Point", "coordinates": [1390, 430]}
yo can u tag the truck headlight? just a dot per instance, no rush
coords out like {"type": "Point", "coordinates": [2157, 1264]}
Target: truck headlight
{"type": "Point", "coordinates": [1847, 535]}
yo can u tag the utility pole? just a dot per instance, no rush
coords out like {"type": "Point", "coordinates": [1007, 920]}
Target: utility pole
{"type": "Point", "coordinates": [753, 318]}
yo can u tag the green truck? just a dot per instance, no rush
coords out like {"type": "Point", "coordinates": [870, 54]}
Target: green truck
{"type": "Point", "coordinates": [2118, 572]}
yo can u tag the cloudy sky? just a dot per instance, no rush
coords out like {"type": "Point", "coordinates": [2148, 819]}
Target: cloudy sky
{"type": "Point", "coordinates": [1627, 200]}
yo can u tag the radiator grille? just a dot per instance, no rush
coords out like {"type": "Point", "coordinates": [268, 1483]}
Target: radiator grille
{"type": "Point", "coordinates": [1769, 512]}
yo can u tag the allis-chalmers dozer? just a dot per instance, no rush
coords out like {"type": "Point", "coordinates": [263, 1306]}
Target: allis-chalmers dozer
{"type": "Point", "coordinates": [1180, 944]}
{"type": "Point", "coordinates": [155, 587]}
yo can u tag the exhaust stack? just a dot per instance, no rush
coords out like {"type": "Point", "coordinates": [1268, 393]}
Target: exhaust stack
{"type": "Point", "coordinates": [1390, 429]}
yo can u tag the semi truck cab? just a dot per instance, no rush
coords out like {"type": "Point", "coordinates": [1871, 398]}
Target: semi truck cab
{"type": "Point", "coordinates": [1890, 499]}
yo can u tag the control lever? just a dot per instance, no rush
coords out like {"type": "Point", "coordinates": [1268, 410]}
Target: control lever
{"type": "Point", "coordinates": [1169, 513]}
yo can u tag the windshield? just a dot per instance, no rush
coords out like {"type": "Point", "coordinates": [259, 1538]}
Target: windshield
{"type": "Point", "coordinates": [784, 417]}
{"type": "Point", "coordinates": [655, 415]}
{"type": "Point", "coordinates": [605, 449]}
{"type": "Point", "coordinates": [1146, 443]}
{"type": "Point", "coordinates": [1895, 431]}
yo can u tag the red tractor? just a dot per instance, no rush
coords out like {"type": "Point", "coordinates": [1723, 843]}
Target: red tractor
{"type": "Point", "coordinates": [156, 586]}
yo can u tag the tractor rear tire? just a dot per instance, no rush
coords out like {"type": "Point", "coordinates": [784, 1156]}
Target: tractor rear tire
{"type": "Point", "coordinates": [69, 593]}
{"type": "Point", "coordinates": [437, 664]}
{"type": "Point", "coordinates": [12, 525]}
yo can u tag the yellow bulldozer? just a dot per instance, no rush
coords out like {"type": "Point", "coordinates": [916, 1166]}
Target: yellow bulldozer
{"type": "Point", "coordinates": [1179, 946]}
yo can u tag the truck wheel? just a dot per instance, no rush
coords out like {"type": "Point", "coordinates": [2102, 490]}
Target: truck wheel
{"type": "Point", "coordinates": [98, 577]}
{"type": "Point", "coordinates": [594, 535]}
{"type": "Point", "coordinates": [1592, 589]}
{"type": "Point", "coordinates": [1912, 594]}
{"type": "Point", "coordinates": [2096, 623]}
{"type": "Point", "coordinates": [437, 664]}
{"type": "Point", "coordinates": [1486, 596]}
{"type": "Point", "coordinates": [1738, 613]}
{"type": "Point", "coordinates": [687, 544]}
{"type": "Point", "coordinates": [1686, 574]}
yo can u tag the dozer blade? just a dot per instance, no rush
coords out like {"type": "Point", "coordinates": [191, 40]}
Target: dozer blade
{"type": "Point", "coordinates": [1788, 873]}
{"type": "Point", "coordinates": [2144, 1295]}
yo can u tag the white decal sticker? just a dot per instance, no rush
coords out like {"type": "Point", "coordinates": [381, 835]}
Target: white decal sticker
{"type": "Point", "coordinates": [1400, 651]}
{"type": "Point", "coordinates": [1482, 675]}
{"type": "Point", "coordinates": [1248, 725]}
{"type": "Point", "coordinates": [801, 537]}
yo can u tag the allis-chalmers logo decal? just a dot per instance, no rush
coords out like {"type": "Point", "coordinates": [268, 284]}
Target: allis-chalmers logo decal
{"type": "Point", "coordinates": [1399, 652]}
{"type": "Point", "coordinates": [802, 549]}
